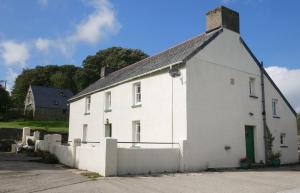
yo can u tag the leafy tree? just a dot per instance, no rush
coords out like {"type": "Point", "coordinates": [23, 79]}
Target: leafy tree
{"type": "Point", "coordinates": [61, 80]}
{"type": "Point", "coordinates": [72, 77]}
{"type": "Point", "coordinates": [4, 100]}
{"type": "Point", "coordinates": [115, 57]}
{"type": "Point", "coordinates": [44, 76]}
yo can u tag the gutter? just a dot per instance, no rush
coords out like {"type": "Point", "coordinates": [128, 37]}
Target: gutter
{"type": "Point", "coordinates": [127, 80]}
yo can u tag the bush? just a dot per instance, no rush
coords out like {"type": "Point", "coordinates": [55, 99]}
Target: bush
{"type": "Point", "coordinates": [276, 155]}
{"type": "Point", "coordinates": [30, 142]}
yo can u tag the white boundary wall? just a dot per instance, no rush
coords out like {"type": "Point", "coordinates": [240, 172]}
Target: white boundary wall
{"type": "Point", "coordinates": [109, 160]}
{"type": "Point", "coordinates": [142, 161]}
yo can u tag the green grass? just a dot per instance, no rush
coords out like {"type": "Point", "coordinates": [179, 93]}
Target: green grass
{"type": "Point", "coordinates": [50, 126]}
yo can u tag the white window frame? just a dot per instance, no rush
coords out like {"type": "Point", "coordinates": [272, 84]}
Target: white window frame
{"type": "Point", "coordinates": [274, 108]}
{"type": "Point", "coordinates": [136, 131]}
{"type": "Point", "coordinates": [84, 132]}
{"type": "Point", "coordinates": [87, 104]}
{"type": "Point", "coordinates": [137, 93]}
{"type": "Point", "coordinates": [282, 139]}
{"type": "Point", "coordinates": [252, 91]}
{"type": "Point", "coordinates": [108, 101]}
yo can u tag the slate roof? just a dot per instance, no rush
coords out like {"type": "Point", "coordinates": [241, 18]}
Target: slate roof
{"type": "Point", "coordinates": [175, 54]}
{"type": "Point", "coordinates": [47, 97]}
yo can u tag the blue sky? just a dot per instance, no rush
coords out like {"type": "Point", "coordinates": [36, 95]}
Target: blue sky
{"type": "Point", "coordinates": [40, 32]}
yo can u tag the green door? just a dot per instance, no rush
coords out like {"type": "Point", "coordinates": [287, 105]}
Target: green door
{"type": "Point", "coordinates": [249, 132]}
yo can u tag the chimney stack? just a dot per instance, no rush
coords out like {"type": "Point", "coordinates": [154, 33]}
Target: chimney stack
{"type": "Point", "coordinates": [222, 17]}
{"type": "Point", "coordinates": [106, 70]}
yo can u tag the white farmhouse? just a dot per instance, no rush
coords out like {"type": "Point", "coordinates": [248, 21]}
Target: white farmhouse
{"type": "Point", "coordinates": [210, 92]}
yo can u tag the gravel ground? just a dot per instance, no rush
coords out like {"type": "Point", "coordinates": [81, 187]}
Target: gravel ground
{"type": "Point", "coordinates": [17, 174]}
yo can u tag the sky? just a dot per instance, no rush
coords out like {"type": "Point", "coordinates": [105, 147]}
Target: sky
{"type": "Point", "coordinates": [41, 32]}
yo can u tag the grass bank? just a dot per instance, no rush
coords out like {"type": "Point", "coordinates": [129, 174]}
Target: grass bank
{"type": "Point", "coordinates": [50, 126]}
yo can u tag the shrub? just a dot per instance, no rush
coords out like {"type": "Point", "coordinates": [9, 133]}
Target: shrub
{"type": "Point", "coordinates": [244, 160]}
{"type": "Point", "coordinates": [276, 155]}
{"type": "Point", "coordinates": [30, 142]}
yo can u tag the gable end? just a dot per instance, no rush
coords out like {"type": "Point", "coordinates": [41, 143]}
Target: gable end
{"type": "Point", "coordinates": [267, 75]}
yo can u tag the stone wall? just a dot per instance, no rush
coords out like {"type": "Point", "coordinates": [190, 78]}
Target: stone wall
{"type": "Point", "coordinates": [51, 114]}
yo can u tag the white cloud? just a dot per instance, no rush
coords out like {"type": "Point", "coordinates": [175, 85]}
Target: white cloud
{"type": "Point", "coordinates": [91, 29]}
{"type": "Point", "coordinates": [42, 44]}
{"type": "Point", "coordinates": [288, 81]}
{"type": "Point", "coordinates": [11, 76]}
{"type": "Point", "coordinates": [97, 24]}
{"type": "Point", "coordinates": [14, 53]}
{"type": "Point", "coordinates": [100, 23]}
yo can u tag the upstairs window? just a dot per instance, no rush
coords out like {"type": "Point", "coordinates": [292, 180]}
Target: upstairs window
{"type": "Point", "coordinates": [87, 104]}
{"type": "Point", "coordinates": [137, 96]}
{"type": "Point", "coordinates": [274, 108]}
{"type": "Point", "coordinates": [252, 87]}
{"type": "Point", "coordinates": [108, 101]}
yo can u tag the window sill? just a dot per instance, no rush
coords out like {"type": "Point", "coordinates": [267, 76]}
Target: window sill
{"type": "Point", "coordinates": [276, 117]}
{"type": "Point", "coordinates": [87, 113]}
{"type": "Point", "coordinates": [284, 146]}
{"type": "Point", "coordinates": [136, 106]}
{"type": "Point", "coordinates": [107, 110]}
{"type": "Point", "coordinates": [253, 96]}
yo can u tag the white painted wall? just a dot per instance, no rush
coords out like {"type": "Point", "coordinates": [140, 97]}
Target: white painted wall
{"type": "Point", "coordinates": [287, 123]}
{"type": "Point", "coordinates": [155, 114]}
{"type": "Point", "coordinates": [143, 161]}
{"type": "Point", "coordinates": [218, 111]}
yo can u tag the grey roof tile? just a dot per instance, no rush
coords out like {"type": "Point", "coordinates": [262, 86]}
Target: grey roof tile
{"type": "Point", "coordinates": [47, 97]}
{"type": "Point", "coordinates": [175, 54]}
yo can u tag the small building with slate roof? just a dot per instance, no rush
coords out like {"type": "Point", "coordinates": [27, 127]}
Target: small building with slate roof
{"type": "Point", "coordinates": [46, 103]}
{"type": "Point", "coordinates": [209, 94]}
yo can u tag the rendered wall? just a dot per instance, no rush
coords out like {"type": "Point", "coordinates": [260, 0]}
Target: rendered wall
{"type": "Point", "coordinates": [218, 110]}
{"type": "Point", "coordinates": [285, 123]}
{"type": "Point", "coordinates": [155, 114]}
{"type": "Point", "coordinates": [143, 161]}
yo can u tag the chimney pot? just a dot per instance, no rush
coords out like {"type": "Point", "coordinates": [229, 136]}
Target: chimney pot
{"type": "Point", "coordinates": [222, 17]}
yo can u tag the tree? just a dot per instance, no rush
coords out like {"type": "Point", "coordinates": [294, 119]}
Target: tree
{"type": "Point", "coordinates": [50, 75]}
{"type": "Point", "coordinates": [61, 80]}
{"type": "Point", "coordinates": [115, 57]}
{"type": "Point", "coordinates": [4, 100]}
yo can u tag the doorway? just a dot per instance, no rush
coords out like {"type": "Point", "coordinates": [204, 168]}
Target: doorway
{"type": "Point", "coordinates": [249, 136]}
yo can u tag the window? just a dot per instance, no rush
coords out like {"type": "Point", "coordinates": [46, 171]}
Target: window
{"type": "Point", "coordinates": [108, 101]}
{"type": "Point", "coordinates": [136, 131]}
{"type": "Point", "coordinates": [252, 86]}
{"type": "Point", "coordinates": [84, 133]}
{"type": "Point", "coordinates": [87, 104]}
{"type": "Point", "coordinates": [108, 130]}
{"type": "Point", "coordinates": [274, 108]}
{"type": "Point", "coordinates": [137, 99]}
{"type": "Point", "coordinates": [282, 139]}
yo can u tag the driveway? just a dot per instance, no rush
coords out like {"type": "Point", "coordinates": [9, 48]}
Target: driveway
{"type": "Point", "coordinates": [17, 174]}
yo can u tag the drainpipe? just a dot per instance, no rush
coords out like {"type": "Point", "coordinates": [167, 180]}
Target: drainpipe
{"type": "Point", "coordinates": [264, 111]}
{"type": "Point", "coordinates": [174, 72]}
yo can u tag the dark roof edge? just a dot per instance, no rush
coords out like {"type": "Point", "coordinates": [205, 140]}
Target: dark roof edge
{"type": "Point", "coordinates": [268, 76]}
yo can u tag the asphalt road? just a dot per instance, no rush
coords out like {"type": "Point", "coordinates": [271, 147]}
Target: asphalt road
{"type": "Point", "coordinates": [17, 174]}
